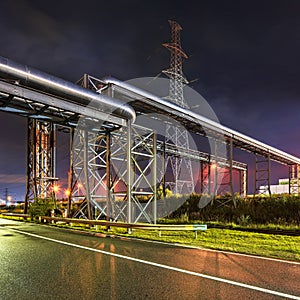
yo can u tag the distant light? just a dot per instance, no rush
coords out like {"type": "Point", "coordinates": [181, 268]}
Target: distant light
{"type": "Point", "coordinates": [55, 188]}
{"type": "Point", "coordinates": [67, 192]}
{"type": "Point", "coordinates": [213, 166]}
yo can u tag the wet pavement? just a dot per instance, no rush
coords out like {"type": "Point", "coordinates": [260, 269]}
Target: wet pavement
{"type": "Point", "coordinates": [41, 262]}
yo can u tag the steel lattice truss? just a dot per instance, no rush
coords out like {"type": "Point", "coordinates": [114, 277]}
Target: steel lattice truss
{"type": "Point", "coordinates": [114, 174]}
{"type": "Point", "coordinates": [113, 159]}
{"type": "Point", "coordinates": [262, 175]}
{"type": "Point", "coordinates": [294, 179]}
{"type": "Point", "coordinates": [183, 181]}
{"type": "Point", "coordinates": [40, 160]}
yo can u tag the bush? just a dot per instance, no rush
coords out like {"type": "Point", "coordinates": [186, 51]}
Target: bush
{"type": "Point", "coordinates": [41, 207]}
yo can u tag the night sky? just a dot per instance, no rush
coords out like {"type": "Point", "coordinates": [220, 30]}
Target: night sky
{"type": "Point", "coordinates": [244, 59]}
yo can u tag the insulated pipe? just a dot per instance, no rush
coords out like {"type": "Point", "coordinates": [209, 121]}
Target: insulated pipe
{"type": "Point", "coordinates": [198, 119]}
{"type": "Point", "coordinates": [43, 82]}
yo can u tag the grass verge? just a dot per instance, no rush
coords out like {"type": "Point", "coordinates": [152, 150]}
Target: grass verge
{"type": "Point", "coordinates": [267, 245]}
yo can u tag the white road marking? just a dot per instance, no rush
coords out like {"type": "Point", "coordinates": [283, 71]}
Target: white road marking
{"type": "Point", "coordinates": [231, 282]}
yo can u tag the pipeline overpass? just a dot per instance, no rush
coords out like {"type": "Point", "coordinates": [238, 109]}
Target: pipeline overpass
{"type": "Point", "coordinates": [112, 155]}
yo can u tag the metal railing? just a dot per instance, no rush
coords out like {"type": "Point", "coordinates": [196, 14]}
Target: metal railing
{"type": "Point", "coordinates": [129, 226]}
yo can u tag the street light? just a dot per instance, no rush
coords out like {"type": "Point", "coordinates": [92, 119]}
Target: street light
{"type": "Point", "coordinates": [67, 192]}
{"type": "Point", "coordinates": [55, 188]}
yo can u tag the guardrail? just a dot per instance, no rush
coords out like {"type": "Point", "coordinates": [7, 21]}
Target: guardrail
{"type": "Point", "coordinates": [130, 226]}
{"type": "Point", "coordinates": [20, 216]}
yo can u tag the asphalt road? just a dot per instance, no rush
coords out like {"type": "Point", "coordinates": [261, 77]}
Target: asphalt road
{"type": "Point", "coordinates": [39, 262]}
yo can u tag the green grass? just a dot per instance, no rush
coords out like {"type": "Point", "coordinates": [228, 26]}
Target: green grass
{"type": "Point", "coordinates": [267, 245]}
{"type": "Point", "coordinates": [276, 246]}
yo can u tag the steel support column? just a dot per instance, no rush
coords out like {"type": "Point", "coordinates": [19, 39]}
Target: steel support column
{"type": "Point", "coordinates": [109, 205]}
{"type": "Point", "coordinates": [243, 182]}
{"type": "Point", "coordinates": [112, 168]}
{"type": "Point", "coordinates": [40, 160]}
{"type": "Point", "coordinates": [164, 169]}
{"type": "Point", "coordinates": [154, 177]}
{"type": "Point", "coordinates": [294, 179]}
{"type": "Point", "coordinates": [209, 177]}
{"type": "Point", "coordinates": [262, 172]}
{"type": "Point", "coordinates": [86, 172]}
{"type": "Point", "coordinates": [230, 145]}
{"type": "Point", "coordinates": [223, 169]}
{"type": "Point", "coordinates": [89, 165]}
{"type": "Point", "coordinates": [215, 167]}
{"type": "Point", "coordinates": [144, 177]}
{"type": "Point", "coordinates": [205, 178]}
{"type": "Point", "coordinates": [70, 175]}
{"type": "Point", "coordinates": [298, 179]}
{"type": "Point", "coordinates": [181, 167]}
{"type": "Point", "coordinates": [129, 173]}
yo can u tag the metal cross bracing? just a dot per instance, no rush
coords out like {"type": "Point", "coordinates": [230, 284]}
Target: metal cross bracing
{"type": "Point", "coordinates": [43, 110]}
{"type": "Point", "coordinates": [141, 173]}
{"type": "Point", "coordinates": [262, 176]}
{"type": "Point", "coordinates": [217, 175]}
{"type": "Point", "coordinates": [224, 176]}
{"type": "Point", "coordinates": [208, 162]}
{"type": "Point", "coordinates": [262, 170]}
{"type": "Point", "coordinates": [181, 167]}
{"type": "Point", "coordinates": [144, 102]}
{"type": "Point", "coordinates": [90, 82]}
{"type": "Point", "coordinates": [32, 94]}
{"type": "Point", "coordinates": [205, 177]}
{"type": "Point", "coordinates": [112, 165]}
{"type": "Point", "coordinates": [117, 190]}
{"type": "Point", "coordinates": [147, 103]}
{"type": "Point", "coordinates": [210, 175]}
{"type": "Point", "coordinates": [87, 155]}
{"type": "Point", "coordinates": [210, 169]}
{"type": "Point", "coordinates": [47, 100]}
{"type": "Point", "coordinates": [116, 173]}
{"type": "Point", "coordinates": [294, 179]}
{"type": "Point", "coordinates": [40, 160]}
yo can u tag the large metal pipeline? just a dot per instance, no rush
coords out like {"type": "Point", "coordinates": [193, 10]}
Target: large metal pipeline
{"type": "Point", "coordinates": [168, 107]}
{"type": "Point", "coordinates": [43, 82]}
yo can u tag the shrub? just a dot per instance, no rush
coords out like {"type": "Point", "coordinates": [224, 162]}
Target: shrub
{"type": "Point", "coordinates": [41, 207]}
{"type": "Point", "coordinates": [244, 220]}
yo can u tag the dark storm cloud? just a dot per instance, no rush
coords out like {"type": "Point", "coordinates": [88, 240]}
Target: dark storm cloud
{"type": "Point", "coordinates": [113, 37]}
{"type": "Point", "coordinates": [249, 46]}
{"type": "Point", "coordinates": [248, 66]}
{"type": "Point", "coordinates": [28, 31]}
